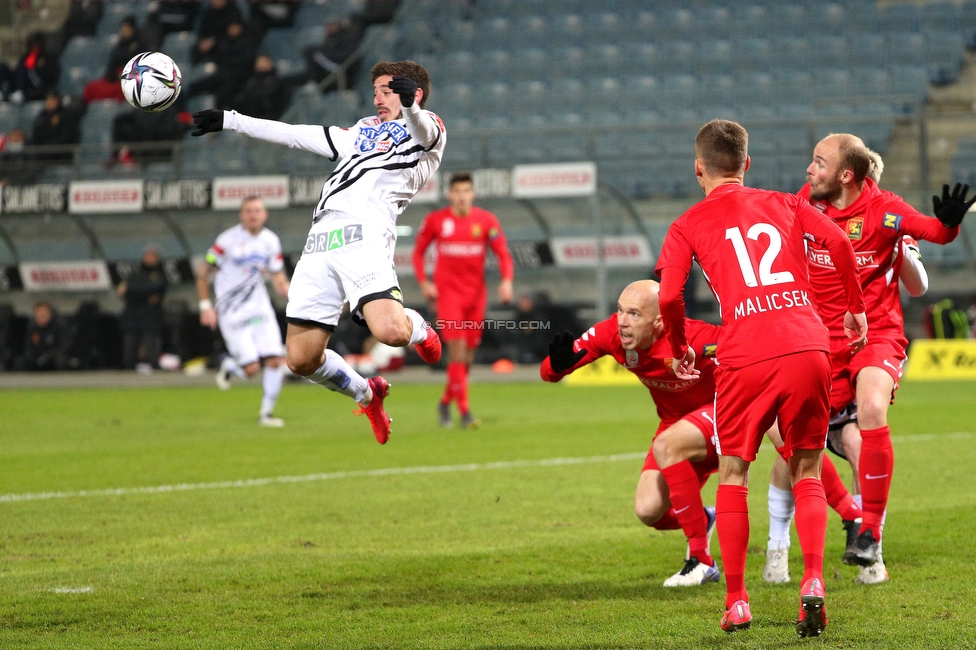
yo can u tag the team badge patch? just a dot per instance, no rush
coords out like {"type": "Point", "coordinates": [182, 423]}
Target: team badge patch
{"type": "Point", "coordinates": [669, 364]}
{"type": "Point", "coordinates": [492, 233]}
{"type": "Point", "coordinates": [631, 360]}
{"type": "Point", "coordinates": [711, 349]}
{"type": "Point", "coordinates": [476, 230]}
{"type": "Point", "coordinates": [892, 220]}
{"type": "Point", "coordinates": [855, 228]}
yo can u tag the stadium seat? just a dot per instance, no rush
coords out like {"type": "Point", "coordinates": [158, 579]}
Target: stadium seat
{"type": "Point", "coordinates": [9, 117]}
{"type": "Point", "coordinates": [112, 15]}
{"type": "Point", "coordinates": [86, 51]}
{"type": "Point", "coordinates": [943, 55]}
{"type": "Point", "coordinates": [528, 64]}
{"type": "Point", "coordinates": [901, 17]}
{"type": "Point", "coordinates": [179, 46]}
{"type": "Point", "coordinates": [72, 80]}
{"type": "Point", "coordinates": [28, 113]}
{"type": "Point", "coordinates": [96, 124]}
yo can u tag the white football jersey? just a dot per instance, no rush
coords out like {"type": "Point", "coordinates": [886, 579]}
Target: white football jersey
{"type": "Point", "coordinates": [242, 259]}
{"type": "Point", "coordinates": [382, 165]}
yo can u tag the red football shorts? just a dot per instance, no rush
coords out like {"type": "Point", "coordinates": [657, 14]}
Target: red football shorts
{"type": "Point", "coordinates": [795, 388]}
{"type": "Point", "coordinates": [461, 319]}
{"type": "Point", "coordinates": [887, 354]}
{"type": "Point", "coordinates": [704, 420]}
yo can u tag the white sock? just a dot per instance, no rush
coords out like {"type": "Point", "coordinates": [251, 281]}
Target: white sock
{"type": "Point", "coordinates": [271, 381]}
{"type": "Point", "coordinates": [419, 332]}
{"type": "Point", "coordinates": [337, 375]}
{"type": "Point", "coordinates": [857, 500]}
{"type": "Point", "coordinates": [780, 517]}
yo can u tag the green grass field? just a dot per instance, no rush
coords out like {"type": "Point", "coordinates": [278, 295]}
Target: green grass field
{"type": "Point", "coordinates": [469, 540]}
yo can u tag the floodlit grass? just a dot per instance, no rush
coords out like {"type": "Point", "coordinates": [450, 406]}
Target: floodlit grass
{"type": "Point", "coordinates": [517, 555]}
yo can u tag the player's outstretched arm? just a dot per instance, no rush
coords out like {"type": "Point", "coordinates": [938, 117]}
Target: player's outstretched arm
{"type": "Point", "coordinates": [562, 359]}
{"type": "Point", "coordinates": [952, 206]}
{"type": "Point", "coordinates": [913, 274]}
{"type": "Point", "coordinates": [280, 283]}
{"type": "Point", "coordinates": [309, 137]}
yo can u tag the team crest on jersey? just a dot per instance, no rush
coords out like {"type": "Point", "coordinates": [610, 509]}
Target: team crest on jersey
{"type": "Point", "coordinates": [711, 349]}
{"type": "Point", "coordinates": [669, 364]}
{"type": "Point", "coordinates": [892, 220]}
{"type": "Point", "coordinates": [632, 359]}
{"type": "Point", "coordinates": [476, 230]}
{"type": "Point", "coordinates": [855, 227]}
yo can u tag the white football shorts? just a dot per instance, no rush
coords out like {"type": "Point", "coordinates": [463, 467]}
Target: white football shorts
{"type": "Point", "coordinates": [252, 339]}
{"type": "Point", "coordinates": [346, 259]}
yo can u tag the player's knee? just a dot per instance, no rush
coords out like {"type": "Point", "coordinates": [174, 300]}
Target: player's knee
{"type": "Point", "coordinates": [661, 447]}
{"type": "Point", "coordinates": [391, 333]}
{"type": "Point", "coordinates": [302, 365]}
{"type": "Point", "coordinates": [872, 413]}
{"type": "Point", "coordinates": [649, 509]}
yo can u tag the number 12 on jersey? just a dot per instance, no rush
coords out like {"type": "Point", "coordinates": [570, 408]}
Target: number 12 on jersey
{"type": "Point", "coordinates": [767, 276]}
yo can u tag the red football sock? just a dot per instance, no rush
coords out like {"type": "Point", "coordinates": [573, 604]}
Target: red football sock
{"type": "Point", "coordinates": [838, 497]}
{"type": "Point", "coordinates": [686, 503]}
{"type": "Point", "coordinates": [461, 392]}
{"type": "Point", "coordinates": [448, 390]}
{"type": "Point", "coordinates": [455, 377]}
{"type": "Point", "coordinates": [811, 524]}
{"type": "Point", "coordinates": [732, 511]}
{"type": "Point", "coordinates": [668, 521]}
{"type": "Point", "coordinates": [874, 470]}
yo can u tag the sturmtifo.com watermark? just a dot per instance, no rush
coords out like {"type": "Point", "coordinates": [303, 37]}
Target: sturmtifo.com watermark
{"type": "Point", "coordinates": [492, 324]}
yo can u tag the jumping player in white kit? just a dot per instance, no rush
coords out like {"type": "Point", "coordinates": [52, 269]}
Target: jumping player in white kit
{"type": "Point", "coordinates": [383, 161]}
{"type": "Point", "coordinates": [237, 263]}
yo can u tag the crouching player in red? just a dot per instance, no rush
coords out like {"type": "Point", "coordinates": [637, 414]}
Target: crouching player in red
{"type": "Point", "coordinates": [682, 456]}
{"type": "Point", "coordinates": [772, 350]}
{"type": "Point", "coordinates": [461, 232]}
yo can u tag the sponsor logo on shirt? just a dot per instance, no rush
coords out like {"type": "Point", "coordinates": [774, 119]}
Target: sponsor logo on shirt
{"type": "Point", "coordinates": [461, 249]}
{"type": "Point", "coordinates": [855, 227]}
{"type": "Point", "coordinates": [892, 220]}
{"type": "Point", "coordinates": [711, 349]}
{"type": "Point", "coordinates": [328, 241]}
{"type": "Point", "coordinates": [380, 138]}
{"type": "Point", "coordinates": [821, 258]}
{"type": "Point", "coordinates": [669, 385]}
{"type": "Point", "coordinates": [631, 360]}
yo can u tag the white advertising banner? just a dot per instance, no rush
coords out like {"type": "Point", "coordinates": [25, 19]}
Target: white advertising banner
{"type": "Point", "coordinates": [229, 191]}
{"type": "Point", "coordinates": [65, 276]}
{"type": "Point", "coordinates": [577, 252]}
{"type": "Point", "coordinates": [553, 181]}
{"type": "Point", "coordinates": [94, 197]}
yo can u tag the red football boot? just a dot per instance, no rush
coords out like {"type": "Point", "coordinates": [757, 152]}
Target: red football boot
{"type": "Point", "coordinates": [813, 613]}
{"type": "Point", "coordinates": [737, 617]}
{"type": "Point", "coordinates": [374, 410]}
{"type": "Point", "coordinates": [430, 348]}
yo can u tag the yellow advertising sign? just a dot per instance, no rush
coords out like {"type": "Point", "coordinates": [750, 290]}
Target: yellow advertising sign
{"type": "Point", "coordinates": [605, 371]}
{"type": "Point", "coordinates": [942, 359]}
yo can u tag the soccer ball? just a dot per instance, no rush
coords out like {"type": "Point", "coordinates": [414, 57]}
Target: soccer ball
{"type": "Point", "coordinates": [151, 81]}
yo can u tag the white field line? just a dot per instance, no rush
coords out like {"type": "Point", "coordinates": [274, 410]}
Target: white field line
{"type": "Point", "coordinates": [71, 590]}
{"type": "Point", "coordinates": [389, 471]}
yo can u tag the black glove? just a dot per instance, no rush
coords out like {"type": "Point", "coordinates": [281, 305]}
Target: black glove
{"type": "Point", "coordinates": [208, 121]}
{"type": "Point", "coordinates": [952, 207]}
{"type": "Point", "coordinates": [405, 87]}
{"type": "Point", "coordinates": [561, 355]}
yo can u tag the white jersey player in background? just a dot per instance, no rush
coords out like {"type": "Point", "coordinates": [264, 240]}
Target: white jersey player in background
{"type": "Point", "coordinates": [238, 263]}
{"type": "Point", "coordinates": [383, 161]}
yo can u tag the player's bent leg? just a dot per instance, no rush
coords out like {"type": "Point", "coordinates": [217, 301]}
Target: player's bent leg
{"type": "Point", "coordinates": [651, 502]}
{"type": "Point", "coordinates": [397, 326]}
{"type": "Point", "coordinates": [304, 348]}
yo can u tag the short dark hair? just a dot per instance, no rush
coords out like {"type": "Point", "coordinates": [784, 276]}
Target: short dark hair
{"type": "Point", "coordinates": [854, 155]}
{"type": "Point", "coordinates": [722, 146]}
{"type": "Point", "coordinates": [409, 69]}
{"type": "Point", "coordinates": [460, 177]}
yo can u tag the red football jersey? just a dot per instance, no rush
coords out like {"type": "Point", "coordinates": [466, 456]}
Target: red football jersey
{"type": "Point", "coordinates": [673, 397]}
{"type": "Point", "coordinates": [750, 245]}
{"type": "Point", "coordinates": [461, 248]}
{"type": "Point", "coordinates": [875, 224]}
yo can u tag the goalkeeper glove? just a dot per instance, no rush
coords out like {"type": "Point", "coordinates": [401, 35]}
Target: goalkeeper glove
{"type": "Point", "coordinates": [561, 355]}
{"type": "Point", "coordinates": [405, 87]}
{"type": "Point", "coordinates": [951, 208]}
{"type": "Point", "coordinates": [208, 121]}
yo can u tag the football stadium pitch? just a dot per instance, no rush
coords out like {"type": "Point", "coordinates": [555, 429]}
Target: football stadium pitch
{"type": "Point", "coordinates": [166, 518]}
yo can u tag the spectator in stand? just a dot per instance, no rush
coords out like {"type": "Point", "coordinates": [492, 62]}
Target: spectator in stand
{"type": "Point", "coordinates": [36, 72]}
{"type": "Point", "coordinates": [169, 16]}
{"type": "Point", "coordinates": [56, 125]}
{"type": "Point", "coordinates": [267, 15]}
{"type": "Point", "coordinates": [341, 40]}
{"type": "Point", "coordinates": [82, 20]}
{"type": "Point", "coordinates": [46, 344]}
{"type": "Point", "coordinates": [128, 45]}
{"type": "Point", "coordinates": [6, 81]}
{"type": "Point", "coordinates": [16, 165]}
{"type": "Point", "coordinates": [217, 17]}
{"type": "Point", "coordinates": [264, 95]}
{"type": "Point", "coordinates": [105, 87]}
{"type": "Point", "coordinates": [378, 11]}
{"type": "Point", "coordinates": [132, 127]}
{"type": "Point", "coordinates": [142, 317]}
{"type": "Point", "coordinates": [234, 55]}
